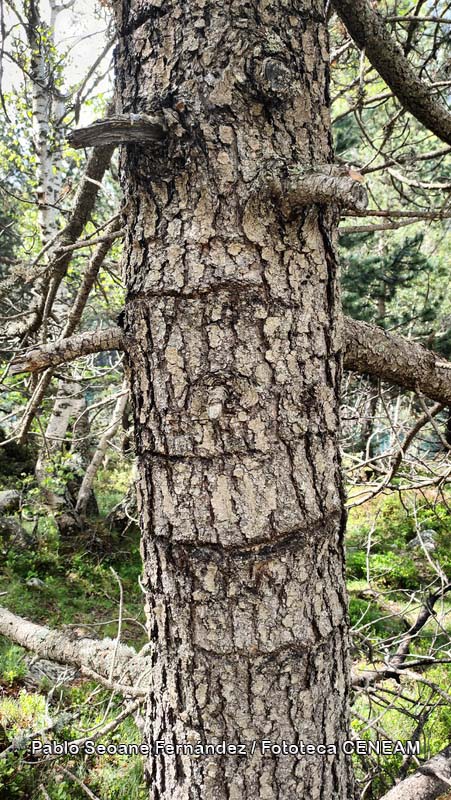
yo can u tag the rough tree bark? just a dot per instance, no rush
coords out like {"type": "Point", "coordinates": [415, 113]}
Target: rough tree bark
{"type": "Point", "coordinates": [395, 359]}
{"type": "Point", "coordinates": [367, 349]}
{"type": "Point", "coordinates": [234, 363]}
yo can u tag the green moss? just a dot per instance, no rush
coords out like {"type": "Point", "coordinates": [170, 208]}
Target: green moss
{"type": "Point", "coordinates": [12, 666]}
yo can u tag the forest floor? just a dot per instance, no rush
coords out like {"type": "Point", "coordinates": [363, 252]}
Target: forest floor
{"type": "Point", "coordinates": [71, 584]}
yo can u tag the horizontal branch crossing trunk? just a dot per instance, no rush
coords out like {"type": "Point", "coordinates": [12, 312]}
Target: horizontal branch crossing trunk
{"type": "Point", "coordinates": [234, 355]}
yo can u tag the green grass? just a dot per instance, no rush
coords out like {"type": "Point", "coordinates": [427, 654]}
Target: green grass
{"type": "Point", "coordinates": [75, 587]}
{"type": "Point", "coordinates": [378, 537]}
{"type": "Point", "coordinates": [79, 589]}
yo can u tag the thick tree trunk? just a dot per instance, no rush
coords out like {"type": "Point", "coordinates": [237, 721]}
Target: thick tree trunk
{"type": "Point", "coordinates": [234, 359]}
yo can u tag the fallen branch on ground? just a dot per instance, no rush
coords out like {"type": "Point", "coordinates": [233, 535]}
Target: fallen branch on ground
{"type": "Point", "coordinates": [429, 782]}
{"type": "Point", "coordinates": [118, 667]}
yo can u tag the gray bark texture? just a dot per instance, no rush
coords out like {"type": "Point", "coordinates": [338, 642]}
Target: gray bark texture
{"type": "Point", "coordinates": [232, 313]}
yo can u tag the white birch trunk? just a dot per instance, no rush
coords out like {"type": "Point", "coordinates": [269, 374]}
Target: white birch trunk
{"type": "Point", "coordinates": [99, 455]}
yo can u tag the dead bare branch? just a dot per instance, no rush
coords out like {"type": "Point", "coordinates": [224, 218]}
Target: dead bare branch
{"type": "Point", "coordinates": [119, 129]}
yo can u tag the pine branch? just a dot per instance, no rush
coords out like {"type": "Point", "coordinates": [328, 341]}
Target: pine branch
{"type": "Point", "coordinates": [50, 355]}
{"type": "Point", "coordinates": [372, 35]}
{"type": "Point", "coordinates": [367, 348]}
{"type": "Point", "coordinates": [370, 350]}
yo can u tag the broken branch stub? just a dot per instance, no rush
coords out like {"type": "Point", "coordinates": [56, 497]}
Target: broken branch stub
{"type": "Point", "coordinates": [120, 129]}
{"type": "Point", "coordinates": [296, 188]}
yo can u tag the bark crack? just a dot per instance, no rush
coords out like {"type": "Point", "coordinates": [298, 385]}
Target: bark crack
{"type": "Point", "coordinates": [285, 541]}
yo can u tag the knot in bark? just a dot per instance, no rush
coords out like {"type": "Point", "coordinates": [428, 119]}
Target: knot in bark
{"type": "Point", "coordinates": [216, 400]}
{"type": "Point", "coordinates": [276, 78]}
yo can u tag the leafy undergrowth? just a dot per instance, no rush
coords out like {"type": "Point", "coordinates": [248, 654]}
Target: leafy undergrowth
{"type": "Point", "coordinates": [108, 777]}
{"type": "Point", "coordinates": [390, 576]}
{"type": "Point", "coordinates": [70, 585]}
{"type": "Point", "coordinates": [73, 583]}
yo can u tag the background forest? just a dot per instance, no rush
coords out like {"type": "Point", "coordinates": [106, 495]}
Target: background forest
{"type": "Point", "coordinates": [69, 538]}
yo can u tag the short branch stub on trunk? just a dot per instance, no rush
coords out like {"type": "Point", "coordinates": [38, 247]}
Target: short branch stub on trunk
{"type": "Point", "coordinates": [120, 129]}
{"type": "Point", "coordinates": [326, 185]}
